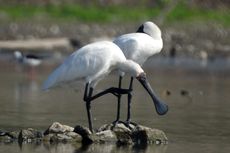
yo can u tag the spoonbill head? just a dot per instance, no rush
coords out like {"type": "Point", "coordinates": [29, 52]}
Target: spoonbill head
{"type": "Point", "coordinates": [141, 45]}
{"type": "Point", "coordinates": [150, 29]}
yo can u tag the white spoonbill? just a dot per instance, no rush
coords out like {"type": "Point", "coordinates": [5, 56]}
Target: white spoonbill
{"type": "Point", "coordinates": [139, 47]}
{"type": "Point", "coordinates": [90, 64]}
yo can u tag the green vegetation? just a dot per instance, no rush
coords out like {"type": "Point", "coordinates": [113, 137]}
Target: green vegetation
{"type": "Point", "coordinates": [184, 13]}
{"type": "Point", "coordinates": [82, 13]}
{"type": "Point", "coordinates": [179, 13]}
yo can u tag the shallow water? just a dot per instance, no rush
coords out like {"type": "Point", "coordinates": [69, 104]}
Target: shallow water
{"type": "Point", "coordinates": [198, 119]}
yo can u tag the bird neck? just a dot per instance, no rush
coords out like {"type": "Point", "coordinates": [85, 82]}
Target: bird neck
{"type": "Point", "coordinates": [130, 67]}
{"type": "Point", "coordinates": [155, 33]}
{"type": "Point", "coordinates": [152, 30]}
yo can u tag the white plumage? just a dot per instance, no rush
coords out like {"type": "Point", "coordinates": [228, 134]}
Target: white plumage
{"type": "Point", "coordinates": [90, 64]}
{"type": "Point", "coordinates": [141, 45]}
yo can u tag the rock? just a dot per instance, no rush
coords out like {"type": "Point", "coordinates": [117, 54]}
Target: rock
{"type": "Point", "coordinates": [61, 133]}
{"type": "Point", "coordinates": [14, 134]}
{"type": "Point", "coordinates": [5, 138]}
{"type": "Point", "coordinates": [145, 135]}
{"type": "Point", "coordinates": [106, 136]}
{"type": "Point", "coordinates": [62, 137]}
{"type": "Point", "coordinates": [29, 135]}
{"type": "Point", "coordinates": [133, 134]}
{"type": "Point", "coordinates": [56, 127]}
{"type": "Point", "coordinates": [87, 136]}
{"type": "Point", "coordinates": [120, 133]}
{"type": "Point", "coordinates": [2, 133]}
{"type": "Point", "coordinates": [123, 134]}
{"type": "Point", "coordinates": [8, 136]}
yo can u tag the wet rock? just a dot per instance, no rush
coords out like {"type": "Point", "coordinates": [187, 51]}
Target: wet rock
{"type": "Point", "coordinates": [120, 133]}
{"type": "Point", "coordinates": [134, 134]}
{"type": "Point", "coordinates": [123, 134]}
{"type": "Point", "coordinates": [86, 134]}
{"type": "Point", "coordinates": [14, 134]}
{"type": "Point", "coordinates": [29, 135]}
{"type": "Point", "coordinates": [5, 138]}
{"type": "Point", "coordinates": [57, 127]}
{"type": "Point", "coordinates": [62, 137]}
{"type": "Point", "coordinates": [145, 135]}
{"type": "Point", "coordinates": [2, 133]}
{"type": "Point", "coordinates": [8, 136]}
{"type": "Point", "coordinates": [61, 133]}
{"type": "Point", "coordinates": [106, 136]}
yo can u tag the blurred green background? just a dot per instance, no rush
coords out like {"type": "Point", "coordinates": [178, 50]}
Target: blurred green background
{"type": "Point", "coordinates": [169, 11]}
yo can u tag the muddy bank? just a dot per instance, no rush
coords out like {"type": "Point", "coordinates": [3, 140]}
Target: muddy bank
{"type": "Point", "coordinates": [204, 41]}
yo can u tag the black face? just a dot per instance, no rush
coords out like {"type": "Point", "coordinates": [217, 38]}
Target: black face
{"type": "Point", "coordinates": [141, 76]}
{"type": "Point", "coordinates": [141, 29]}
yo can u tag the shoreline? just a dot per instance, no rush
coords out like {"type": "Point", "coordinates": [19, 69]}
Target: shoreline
{"type": "Point", "coordinates": [199, 41]}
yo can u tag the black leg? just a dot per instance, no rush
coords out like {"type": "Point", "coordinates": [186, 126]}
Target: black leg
{"type": "Point", "coordinates": [88, 105]}
{"type": "Point", "coordinates": [129, 99]}
{"type": "Point", "coordinates": [87, 99]}
{"type": "Point", "coordinates": [86, 92]}
{"type": "Point", "coordinates": [118, 101]}
{"type": "Point", "coordinates": [112, 90]}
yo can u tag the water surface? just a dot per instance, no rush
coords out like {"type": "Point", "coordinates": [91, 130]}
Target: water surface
{"type": "Point", "coordinates": [198, 119]}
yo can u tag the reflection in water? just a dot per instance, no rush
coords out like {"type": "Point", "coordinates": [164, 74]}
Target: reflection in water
{"type": "Point", "coordinates": [25, 89]}
{"type": "Point", "coordinates": [78, 148]}
{"type": "Point", "coordinates": [197, 95]}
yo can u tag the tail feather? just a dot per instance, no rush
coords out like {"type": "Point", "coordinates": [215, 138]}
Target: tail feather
{"type": "Point", "coordinates": [49, 83]}
{"type": "Point", "coordinates": [53, 79]}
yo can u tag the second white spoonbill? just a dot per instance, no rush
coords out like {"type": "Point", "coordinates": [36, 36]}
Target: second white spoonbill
{"type": "Point", "coordinates": [139, 47]}
{"type": "Point", "coordinates": [89, 65]}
